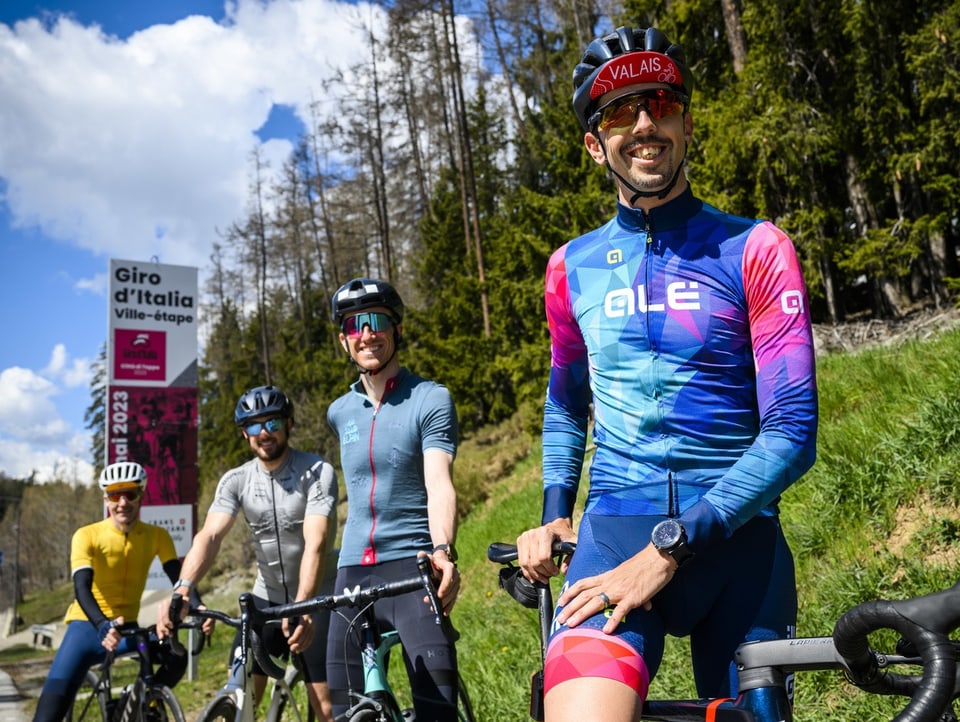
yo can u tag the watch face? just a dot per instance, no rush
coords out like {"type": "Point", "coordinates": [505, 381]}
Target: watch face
{"type": "Point", "coordinates": [666, 534]}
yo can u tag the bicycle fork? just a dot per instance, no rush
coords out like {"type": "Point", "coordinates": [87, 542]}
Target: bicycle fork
{"type": "Point", "coordinates": [377, 694]}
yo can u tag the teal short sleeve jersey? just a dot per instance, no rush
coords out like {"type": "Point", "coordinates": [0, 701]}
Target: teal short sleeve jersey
{"type": "Point", "coordinates": [381, 452]}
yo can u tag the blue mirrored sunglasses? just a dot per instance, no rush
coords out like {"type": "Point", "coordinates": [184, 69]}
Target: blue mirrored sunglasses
{"type": "Point", "coordinates": [271, 425]}
{"type": "Point", "coordinates": [377, 322]}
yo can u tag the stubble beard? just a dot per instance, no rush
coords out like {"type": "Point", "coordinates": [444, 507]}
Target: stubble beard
{"type": "Point", "coordinates": [278, 450]}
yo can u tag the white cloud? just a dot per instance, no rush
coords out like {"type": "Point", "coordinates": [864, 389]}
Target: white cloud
{"type": "Point", "coordinates": [27, 411]}
{"type": "Point", "coordinates": [72, 372]}
{"type": "Point", "coordinates": [21, 460]}
{"type": "Point", "coordinates": [97, 285]}
{"type": "Point", "coordinates": [34, 438]}
{"type": "Point", "coordinates": [140, 147]}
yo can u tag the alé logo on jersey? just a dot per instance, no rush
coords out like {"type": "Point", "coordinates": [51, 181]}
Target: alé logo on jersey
{"type": "Point", "coordinates": [680, 296]}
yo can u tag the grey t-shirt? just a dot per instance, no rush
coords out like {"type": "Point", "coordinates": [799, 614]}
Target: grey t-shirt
{"type": "Point", "coordinates": [274, 505]}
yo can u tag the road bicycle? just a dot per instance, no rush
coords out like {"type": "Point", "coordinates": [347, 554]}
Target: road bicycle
{"type": "Point", "coordinates": [143, 700]}
{"type": "Point", "coordinates": [287, 699]}
{"type": "Point", "coordinates": [765, 668]}
{"type": "Point", "coordinates": [376, 702]}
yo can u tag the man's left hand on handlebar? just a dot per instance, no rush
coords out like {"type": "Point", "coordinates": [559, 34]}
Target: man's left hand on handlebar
{"type": "Point", "coordinates": [535, 550]}
{"type": "Point", "coordinates": [302, 635]}
{"type": "Point", "coordinates": [446, 571]}
{"type": "Point", "coordinates": [166, 627]}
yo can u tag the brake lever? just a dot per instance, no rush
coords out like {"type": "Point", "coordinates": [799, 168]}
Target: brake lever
{"type": "Point", "coordinates": [425, 569]}
{"type": "Point", "coordinates": [176, 605]}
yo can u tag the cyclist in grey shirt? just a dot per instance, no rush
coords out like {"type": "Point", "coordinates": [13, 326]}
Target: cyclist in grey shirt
{"type": "Point", "coordinates": [289, 500]}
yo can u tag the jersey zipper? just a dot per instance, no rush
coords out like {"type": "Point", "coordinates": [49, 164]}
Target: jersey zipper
{"type": "Point", "coordinates": [655, 365]}
{"type": "Point", "coordinates": [370, 553]}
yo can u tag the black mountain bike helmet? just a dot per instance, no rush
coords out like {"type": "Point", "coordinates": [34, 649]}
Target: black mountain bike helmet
{"type": "Point", "coordinates": [262, 401]}
{"type": "Point", "coordinates": [625, 57]}
{"type": "Point", "coordinates": [363, 293]}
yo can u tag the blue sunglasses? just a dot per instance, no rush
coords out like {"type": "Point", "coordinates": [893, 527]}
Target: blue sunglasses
{"type": "Point", "coordinates": [271, 425]}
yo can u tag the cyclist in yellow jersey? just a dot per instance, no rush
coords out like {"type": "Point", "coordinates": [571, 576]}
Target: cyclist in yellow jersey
{"type": "Point", "coordinates": [109, 562]}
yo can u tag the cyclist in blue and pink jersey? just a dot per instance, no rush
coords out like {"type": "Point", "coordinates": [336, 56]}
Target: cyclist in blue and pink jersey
{"type": "Point", "coordinates": [685, 331]}
{"type": "Point", "coordinates": [398, 438]}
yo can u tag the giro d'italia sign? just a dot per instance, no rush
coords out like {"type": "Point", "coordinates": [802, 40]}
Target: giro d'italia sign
{"type": "Point", "coordinates": [151, 409]}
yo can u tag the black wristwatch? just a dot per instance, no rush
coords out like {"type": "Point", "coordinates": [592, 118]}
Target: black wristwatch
{"type": "Point", "coordinates": [450, 549]}
{"type": "Point", "coordinates": [670, 537]}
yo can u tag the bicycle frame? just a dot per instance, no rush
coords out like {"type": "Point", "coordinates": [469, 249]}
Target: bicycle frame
{"type": "Point", "coordinates": [377, 694]}
{"type": "Point", "coordinates": [136, 697]}
{"type": "Point", "coordinates": [377, 700]}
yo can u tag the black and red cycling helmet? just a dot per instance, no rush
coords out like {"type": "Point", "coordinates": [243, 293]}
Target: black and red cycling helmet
{"type": "Point", "coordinates": [625, 57]}
{"type": "Point", "coordinates": [363, 293]}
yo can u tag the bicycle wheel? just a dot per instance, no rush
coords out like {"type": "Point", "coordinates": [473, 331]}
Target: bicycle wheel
{"type": "Point", "coordinates": [88, 705]}
{"type": "Point", "coordinates": [289, 701]}
{"type": "Point", "coordinates": [220, 709]}
{"type": "Point", "coordinates": [161, 706]}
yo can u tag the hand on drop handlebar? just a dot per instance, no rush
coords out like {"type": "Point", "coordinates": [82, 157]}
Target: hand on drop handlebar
{"type": "Point", "coordinates": [301, 635]}
{"type": "Point", "coordinates": [535, 550]}
{"type": "Point", "coordinates": [448, 576]}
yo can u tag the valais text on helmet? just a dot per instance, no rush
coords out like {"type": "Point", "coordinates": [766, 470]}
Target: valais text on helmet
{"type": "Point", "coordinates": [627, 56]}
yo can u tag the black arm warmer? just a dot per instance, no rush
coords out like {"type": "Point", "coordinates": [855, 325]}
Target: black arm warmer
{"type": "Point", "coordinates": [83, 589]}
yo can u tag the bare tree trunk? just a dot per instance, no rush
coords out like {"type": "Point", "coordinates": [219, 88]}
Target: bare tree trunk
{"type": "Point", "coordinates": [468, 177]}
{"type": "Point", "coordinates": [260, 237]}
{"type": "Point", "coordinates": [323, 235]}
{"type": "Point", "coordinates": [736, 38]}
{"type": "Point", "coordinates": [830, 289]}
{"type": "Point", "coordinates": [505, 69]}
{"type": "Point", "coordinates": [377, 167]}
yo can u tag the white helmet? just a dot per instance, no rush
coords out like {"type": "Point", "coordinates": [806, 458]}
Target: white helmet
{"type": "Point", "coordinates": [123, 475]}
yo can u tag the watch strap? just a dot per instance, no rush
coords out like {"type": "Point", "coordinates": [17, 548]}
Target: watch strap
{"type": "Point", "coordinates": [449, 549]}
{"type": "Point", "coordinates": [681, 552]}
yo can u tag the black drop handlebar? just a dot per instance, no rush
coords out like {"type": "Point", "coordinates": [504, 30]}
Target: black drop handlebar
{"type": "Point", "coordinates": [252, 620]}
{"type": "Point", "coordinates": [924, 624]}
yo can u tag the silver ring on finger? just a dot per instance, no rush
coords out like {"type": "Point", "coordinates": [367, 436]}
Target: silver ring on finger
{"type": "Point", "coordinates": [605, 599]}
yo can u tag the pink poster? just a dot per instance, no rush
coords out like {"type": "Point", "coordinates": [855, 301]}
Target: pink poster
{"type": "Point", "coordinates": [157, 428]}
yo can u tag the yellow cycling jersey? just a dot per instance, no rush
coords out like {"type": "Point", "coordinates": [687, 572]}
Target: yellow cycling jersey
{"type": "Point", "coordinates": [120, 563]}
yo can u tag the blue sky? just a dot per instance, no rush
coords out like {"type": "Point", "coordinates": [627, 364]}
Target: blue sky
{"type": "Point", "coordinates": [126, 128]}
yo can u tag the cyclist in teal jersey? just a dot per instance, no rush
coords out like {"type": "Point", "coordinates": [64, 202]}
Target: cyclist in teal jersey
{"type": "Point", "coordinates": [398, 438]}
{"type": "Point", "coordinates": [685, 332]}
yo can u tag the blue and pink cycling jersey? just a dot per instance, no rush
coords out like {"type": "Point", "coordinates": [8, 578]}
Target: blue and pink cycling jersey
{"type": "Point", "coordinates": [688, 329]}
